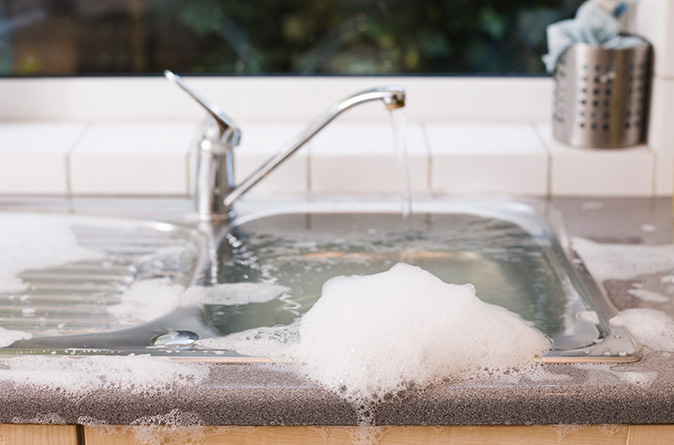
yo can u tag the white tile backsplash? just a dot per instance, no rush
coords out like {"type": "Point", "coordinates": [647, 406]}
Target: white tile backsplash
{"type": "Point", "coordinates": [661, 134]}
{"type": "Point", "coordinates": [132, 159]}
{"type": "Point", "coordinates": [344, 159]}
{"type": "Point", "coordinates": [477, 158]}
{"type": "Point", "coordinates": [258, 143]}
{"type": "Point", "coordinates": [360, 159]}
{"type": "Point", "coordinates": [653, 20]}
{"type": "Point", "coordinates": [576, 171]}
{"type": "Point", "coordinates": [33, 157]}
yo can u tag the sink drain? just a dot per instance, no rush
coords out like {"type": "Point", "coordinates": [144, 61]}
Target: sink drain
{"type": "Point", "coordinates": [174, 339]}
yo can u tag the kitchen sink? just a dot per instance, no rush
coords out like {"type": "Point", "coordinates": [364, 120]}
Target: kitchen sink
{"type": "Point", "coordinates": [509, 250]}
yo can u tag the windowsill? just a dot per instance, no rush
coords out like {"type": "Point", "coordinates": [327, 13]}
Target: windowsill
{"type": "Point", "coordinates": [274, 99]}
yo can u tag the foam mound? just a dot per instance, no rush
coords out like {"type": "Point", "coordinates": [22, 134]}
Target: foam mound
{"type": "Point", "coordinates": [368, 336]}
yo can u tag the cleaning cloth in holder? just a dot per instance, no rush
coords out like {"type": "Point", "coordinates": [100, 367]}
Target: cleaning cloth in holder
{"type": "Point", "coordinates": [596, 23]}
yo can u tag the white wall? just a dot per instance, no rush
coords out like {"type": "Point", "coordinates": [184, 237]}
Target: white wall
{"type": "Point", "coordinates": [655, 20]}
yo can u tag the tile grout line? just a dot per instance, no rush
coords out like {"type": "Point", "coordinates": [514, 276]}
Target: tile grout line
{"type": "Point", "coordinates": [71, 151]}
{"type": "Point", "coordinates": [310, 149]}
{"type": "Point", "coordinates": [429, 162]}
{"type": "Point", "coordinates": [548, 153]}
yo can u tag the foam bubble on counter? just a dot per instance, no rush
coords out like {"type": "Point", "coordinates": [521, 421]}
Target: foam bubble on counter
{"type": "Point", "coordinates": [650, 328]}
{"type": "Point", "coordinates": [79, 376]}
{"type": "Point", "coordinates": [147, 300]}
{"type": "Point", "coordinates": [592, 205]}
{"type": "Point", "coordinates": [623, 261]}
{"type": "Point", "coordinates": [648, 228]}
{"type": "Point", "coordinates": [45, 419]}
{"type": "Point", "coordinates": [368, 336]}
{"type": "Point", "coordinates": [638, 378]}
{"type": "Point", "coordinates": [234, 293]}
{"type": "Point", "coordinates": [647, 295]}
{"type": "Point", "coordinates": [617, 321]}
{"type": "Point", "coordinates": [7, 336]}
{"type": "Point", "coordinates": [590, 316]}
{"type": "Point", "coordinates": [31, 242]}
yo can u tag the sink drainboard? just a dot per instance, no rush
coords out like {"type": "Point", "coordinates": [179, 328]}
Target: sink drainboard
{"type": "Point", "coordinates": [75, 297]}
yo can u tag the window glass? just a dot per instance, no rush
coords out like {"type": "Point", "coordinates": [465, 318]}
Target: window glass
{"type": "Point", "coordinates": [282, 37]}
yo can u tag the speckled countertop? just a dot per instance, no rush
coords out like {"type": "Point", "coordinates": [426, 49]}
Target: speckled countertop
{"type": "Point", "coordinates": [273, 395]}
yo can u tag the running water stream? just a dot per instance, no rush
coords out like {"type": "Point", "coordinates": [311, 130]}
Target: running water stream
{"type": "Point", "coordinates": [400, 146]}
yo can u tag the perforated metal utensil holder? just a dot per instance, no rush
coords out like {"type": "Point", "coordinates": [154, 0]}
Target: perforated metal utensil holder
{"type": "Point", "coordinates": [601, 96]}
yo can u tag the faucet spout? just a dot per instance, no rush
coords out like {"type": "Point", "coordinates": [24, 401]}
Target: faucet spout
{"type": "Point", "coordinates": [393, 97]}
{"type": "Point", "coordinates": [216, 192]}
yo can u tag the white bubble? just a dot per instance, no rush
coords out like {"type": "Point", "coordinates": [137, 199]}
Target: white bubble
{"type": "Point", "coordinates": [147, 300]}
{"type": "Point", "coordinates": [590, 316]}
{"type": "Point", "coordinates": [647, 295]}
{"type": "Point", "coordinates": [7, 337]}
{"type": "Point", "coordinates": [651, 328]}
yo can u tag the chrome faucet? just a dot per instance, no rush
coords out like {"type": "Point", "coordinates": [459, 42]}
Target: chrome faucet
{"type": "Point", "coordinates": [216, 192]}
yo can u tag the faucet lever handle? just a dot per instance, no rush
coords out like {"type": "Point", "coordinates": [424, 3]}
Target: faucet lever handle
{"type": "Point", "coordinates": [228, 130]}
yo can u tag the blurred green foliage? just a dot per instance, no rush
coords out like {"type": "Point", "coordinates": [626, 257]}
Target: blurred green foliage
{"type": "Point", "coordinates": [368, 37]}
{"type": "Point", "coordinates": [302, 37]}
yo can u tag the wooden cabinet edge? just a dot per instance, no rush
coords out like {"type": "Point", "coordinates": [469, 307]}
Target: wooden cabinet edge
{"type": "Point", "coordinates": [30, 434]}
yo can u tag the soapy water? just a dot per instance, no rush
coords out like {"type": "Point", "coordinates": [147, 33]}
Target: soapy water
{"type": "Point", "coordinates": [509, 266]}
{"type": "Point", "coordinates": [375, 335]}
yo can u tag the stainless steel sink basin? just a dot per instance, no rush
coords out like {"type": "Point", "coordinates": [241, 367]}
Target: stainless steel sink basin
{"type": "Point", "coordinates": [507, 249]}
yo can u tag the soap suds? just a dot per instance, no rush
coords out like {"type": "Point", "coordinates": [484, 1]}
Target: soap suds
{"type": "Point", "coordinates": [590, 316]}
{"type": "Point", "coordinates": [592, 205]}
{"type": "Point", "coordinates": [234, 293]}
{"type": "Point", "coordinates": [7, 337]}
{"type": "Point", "coordinates": [638, 378]}
{"type": "Point", "coordinates": [617, 321]}
{"type": "Point", "coordinates": [648, 228]}
{"type": "Point", "coordinates": [647, 295]}
{"type": "Point", "coordinates": [611, 430]}
{"type": "Point", "coordinates": [623, 262]}
{"type": "Point", "coordinates": [80, 376]}
{"type": "Point", "coordinates": [147, 300]}
{"type": "Point", "coordinates": [45, 419]}
{"type": "Point", "coordinates": [368, 336]}
{"type": "Point", "coordinates": [279, 341]}
{"type": "Point", "coordinates": [173, 428]}
{"type": "Point", "coordinates": [649, 327]}
{"type": "Point", "coordinates": [33, 242]}
{"type": "Point", "coordinates": [564, 430]}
